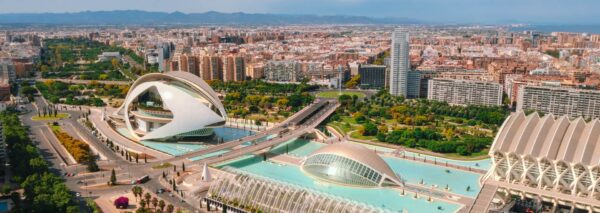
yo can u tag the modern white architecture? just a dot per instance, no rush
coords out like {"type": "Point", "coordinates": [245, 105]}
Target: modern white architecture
{"type": "Point", "coordinates": [552, 162]}
{"type": "Point", "coordinates": [171, 106]}
{"type": "Point", "coordinates": [350, 164]}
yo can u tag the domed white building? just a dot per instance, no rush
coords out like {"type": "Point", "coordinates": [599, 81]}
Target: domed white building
{"type": "Point", "coordinates": [171, 106]}
{"type": "Point", "coordinates": [350, 164]}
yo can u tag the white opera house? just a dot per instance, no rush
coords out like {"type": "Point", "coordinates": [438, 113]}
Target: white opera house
{"type": "Point", "coordinates": [170, 106]}
{"type": "Point", "coordinates": [549, 163]}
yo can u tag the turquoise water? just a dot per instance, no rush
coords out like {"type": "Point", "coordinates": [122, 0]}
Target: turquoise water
{"type": "Point", "coordinates": [297, 147]}
{"type": "Point", "coordinates": [458, 180]}
{"type": "Point", "coordinates": [229, 134]}
{"type": "Point", "coordinates": [484, 164]}
{"type": "Point", "coordinates": [3, 206]}
{"type": "Point", "coordinates": [176, 149]}
{"type": "Point", "coordinates": [385, 198]}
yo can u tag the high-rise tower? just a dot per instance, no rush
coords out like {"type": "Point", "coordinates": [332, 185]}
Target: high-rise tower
{"type": "Point", "coordinates": [400, 63]}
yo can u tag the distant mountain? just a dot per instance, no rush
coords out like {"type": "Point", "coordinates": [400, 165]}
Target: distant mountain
{"type": "Point", "coordinates": [136, 17]}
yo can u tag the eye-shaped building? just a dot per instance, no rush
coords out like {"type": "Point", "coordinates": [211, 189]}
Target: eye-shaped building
{"type": "Point", "coordinates": [350, 164]}
{"type": "Point", "coordinates": [171, 106]}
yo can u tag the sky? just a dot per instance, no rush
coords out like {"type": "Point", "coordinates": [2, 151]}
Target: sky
{"type": "Point", "coordinates": [437, 11]}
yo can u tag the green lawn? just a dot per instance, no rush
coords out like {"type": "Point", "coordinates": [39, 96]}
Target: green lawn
{"type": "Point", "coordinates": [49, 118]}
{"type": "Point", "coordinates": [55, 128]}
{"type": "Point", "coordinates": [162, 166]}
{"type": "Point", "coordinates": [336, 94]}
{"type": "Point", "coordinates": [357, 135]}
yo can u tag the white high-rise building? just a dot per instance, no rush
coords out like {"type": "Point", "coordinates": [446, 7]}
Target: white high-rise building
{"type": "Point", "coordinates": [400, 63]}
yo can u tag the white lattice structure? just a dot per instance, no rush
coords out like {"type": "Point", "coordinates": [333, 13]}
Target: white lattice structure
{"type": "Point", "coordinates": [555, 160]}
{"type": "Point", "coordinates": [248, 192]}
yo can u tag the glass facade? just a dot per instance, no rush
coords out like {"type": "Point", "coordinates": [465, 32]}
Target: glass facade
{"type": "Point", "coordinates": [342, 170]}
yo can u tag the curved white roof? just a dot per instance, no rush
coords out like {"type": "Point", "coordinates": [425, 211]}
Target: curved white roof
{"type": "Point", "coordinates": [359, 154]}
{"type": "Point", "coordinates": [560, 139]}
{"type": "Point", "coordinates": [188, 105]}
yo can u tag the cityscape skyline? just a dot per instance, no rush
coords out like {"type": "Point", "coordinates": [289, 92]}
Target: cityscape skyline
{"type": "Point", "coordinates": [451, 106]}
{"type": "Point", "coordinates": [430, 11]}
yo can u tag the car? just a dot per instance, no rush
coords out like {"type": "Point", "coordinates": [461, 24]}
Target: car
{"type": "Point", "coordinates": [78, 194]}
{"type": "Point", "coordinates": [160, 191]}
{"type": "Point", "coordinates": [171, 195]}
{"type": "Point", "coordinates": [79, 182]}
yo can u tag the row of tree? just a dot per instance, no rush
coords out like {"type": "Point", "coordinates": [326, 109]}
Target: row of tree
{"type": "Point", "coordinates": [43, 191]}
{"type": "Point", "coordinates": [148, 203]}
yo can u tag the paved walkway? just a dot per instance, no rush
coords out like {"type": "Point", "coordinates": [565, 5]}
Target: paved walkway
{"type": "Point", "coordinates": [103, 127]}
{"type": "Point", "coordinates": [434, 162]}
{"type": "Point", "coordinates": [484, 198]}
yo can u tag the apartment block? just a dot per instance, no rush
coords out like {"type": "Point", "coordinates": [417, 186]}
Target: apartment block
{"type": "Point", "coordinates": [463, 92]}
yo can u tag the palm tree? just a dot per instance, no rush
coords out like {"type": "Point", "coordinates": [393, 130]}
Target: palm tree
{"type": "Point", "coordinates": [140, 191]}
{"type": "Point", "coordinates": [161, 205]}
{"type": "Point", "coordinates": [170, 208]}
{"type": "Point", "coordinates": [154, 202]}
{"type": "Point", "coordinates": [134, 191]}
{"type": "Point", "coordinates": [147, 196]}
{"type": "Point", "coordinates": [143, 204]}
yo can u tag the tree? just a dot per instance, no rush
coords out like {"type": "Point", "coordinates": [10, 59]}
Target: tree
{"type": "Point", "coordinates": [369, 129]}
{"type": "Point", "coordinates": [90, 160]}
{"type": "Point", "coordinates": [353, 82]}
{"type": "Point", "coordinates": [6, 189]}
{"type": "Point", "coordinates": [147, 196]}
{"type": "Point", "coordinates": [46, 191]}
{"type": "Point", "coordinates": [134, 191]}
{"type": "Point", "coordinates": [154, 202]}
{"type": "Point", "coordinates": [170, 208]}
{"type": "Point", "coordinates": [113, 177]}
{"type": "Point", "coordinates": [161, 205]}
{"type": "Point", "coordinates": [143, 203]}
{"type": "Point", "coordinates": [137, 191]}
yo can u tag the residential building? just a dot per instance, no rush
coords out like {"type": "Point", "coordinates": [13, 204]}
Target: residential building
{"type": "Point", "coordinates": [228, 68]}
{"type": "Point", "coordinates": [255, 71]}
{"type": "Point", "coordinates": [463, 92]}
{"type": "Point", "coordinates": [287, 71]}
{"type": "Point", "coordinates": [239, 69]}
{"type": "Point", "coordinates": [560, 101]}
